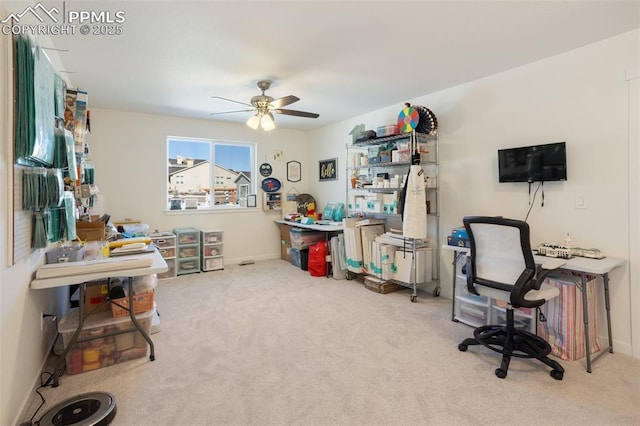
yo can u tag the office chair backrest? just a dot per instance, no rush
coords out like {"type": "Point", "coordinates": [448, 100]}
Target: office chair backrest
{"type": "Point", "coordinates": [500, 251]}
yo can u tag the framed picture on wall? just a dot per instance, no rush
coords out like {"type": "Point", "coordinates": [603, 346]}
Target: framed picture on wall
{"type": "Point", "coordinates": [251, 200]}
{"type": "Point", "coordinates": [294, 171]}
{"type": "Point", "coordinates": [328, 169]}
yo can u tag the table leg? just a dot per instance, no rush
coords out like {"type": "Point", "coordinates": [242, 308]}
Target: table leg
{"type": "Point", "coordinates": [63, 357]}
{"type": "Point", "coordinates": [327, 243]}
{"type": "Point", "coordinates": [585, 316]}
{"type": "Point", "coordinates": [132, 315]}
{"type": "Point", "coordinates": [456, 257]}
{"type": "Point", "coordinates": [605, 278]}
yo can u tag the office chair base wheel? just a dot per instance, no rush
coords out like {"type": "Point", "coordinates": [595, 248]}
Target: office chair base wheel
{"type": "Point", "coordinates": [501, 373]}
{"type": "Point", "coordinates": [436, 292]}
{"type": "Point", "coordinates": [414, 298]}
{"type": "Point", "coordinates": [557, 374]}
{"type": "Point", "coordinates": [462, 347]}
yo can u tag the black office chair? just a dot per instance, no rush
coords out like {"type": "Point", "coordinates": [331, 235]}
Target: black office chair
{"type": "Point", "coordinates": [500, 265]}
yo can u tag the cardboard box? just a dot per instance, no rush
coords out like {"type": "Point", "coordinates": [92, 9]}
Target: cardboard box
{"type": "Point", "coordinates": [284, 233]}
{"type": "Point", "coordinates": [95, 296]}
{"type": "Point", "coordinates": [381, 286]}
{"type": "Point", "coordinates": [285, 250]}
{"type": "Point", "coordinates": [90, 231]}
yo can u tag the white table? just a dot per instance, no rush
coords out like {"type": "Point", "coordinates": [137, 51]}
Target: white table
{"type": "Point", "coordinates": [332, 227]}
{"type": "Point", "coordinates": [583, 266]}
{"type": "Point", "coordinates": [85, 271]}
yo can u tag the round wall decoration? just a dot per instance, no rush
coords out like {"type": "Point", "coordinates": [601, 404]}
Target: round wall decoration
{"type": "Point", "coordinates": [271, 185]}
{"type": "Point", "coordinates": [265, 169]}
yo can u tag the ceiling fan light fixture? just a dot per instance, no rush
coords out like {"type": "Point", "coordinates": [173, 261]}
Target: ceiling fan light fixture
{"type": "Point", "coordinates": [254, 121]}
{"type": "Point", "coordinates": [267, 122]}
{"type": "Point", "coordinates": [264, 106]}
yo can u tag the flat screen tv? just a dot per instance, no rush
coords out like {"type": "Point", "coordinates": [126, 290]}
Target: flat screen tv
{"type": "Point", "coordinates": [536, 163]}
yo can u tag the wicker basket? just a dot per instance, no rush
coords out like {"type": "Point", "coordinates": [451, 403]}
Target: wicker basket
{"type": "Point", "coordinates": [141, 303]}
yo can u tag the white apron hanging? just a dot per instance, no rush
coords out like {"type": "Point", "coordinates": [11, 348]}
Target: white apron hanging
{"type": "Point", "coordinates": [414, 216]}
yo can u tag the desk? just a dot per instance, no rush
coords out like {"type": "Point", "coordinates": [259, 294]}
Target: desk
{"type": "Point", "coordinates": [583, 266]}
{"type": "Point", "coordinates": [117, 266]}
{"type": "Point", "coordinates": [333, 227]}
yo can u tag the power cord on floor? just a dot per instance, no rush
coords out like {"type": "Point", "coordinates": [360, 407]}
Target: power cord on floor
{"type": "Point", "coordinates": [45, 383]}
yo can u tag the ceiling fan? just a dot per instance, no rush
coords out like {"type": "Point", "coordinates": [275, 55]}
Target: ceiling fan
{"type": "Point", "coordinates": [265, 106]}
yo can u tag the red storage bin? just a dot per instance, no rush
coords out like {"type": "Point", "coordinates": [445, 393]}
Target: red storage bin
{"type": "Point", "coordinates": [318, 259]}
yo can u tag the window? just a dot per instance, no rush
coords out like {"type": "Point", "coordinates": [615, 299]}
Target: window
{"type": "Point", "coordinates": [192, 182]}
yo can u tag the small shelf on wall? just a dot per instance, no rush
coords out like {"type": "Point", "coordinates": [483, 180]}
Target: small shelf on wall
{"type": "Point", "coordinates": [272, 202]}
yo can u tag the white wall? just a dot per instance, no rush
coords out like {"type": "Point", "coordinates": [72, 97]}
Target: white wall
{"type": "Point", "coordinates": [129, 154]}
{"type": "Point", "coordinates": [580, 97]}
{"type": "Point", "coordinates": [23, 346]}
{"type": "Point", "coordinates": [633, 77]}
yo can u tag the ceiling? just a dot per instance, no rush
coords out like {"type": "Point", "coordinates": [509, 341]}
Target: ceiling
{"type": "Point", "coordinates": [342, 58]}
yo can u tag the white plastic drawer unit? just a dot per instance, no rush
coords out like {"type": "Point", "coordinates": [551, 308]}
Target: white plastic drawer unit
{"type": "Point", "coordinates": [213, 264]}
{"type": "Point", "coordinates": [187, 266]}
{"type": "Point", "coordinates": [185, 252]}
{"type": "Point", "coordinates": [211, 237]}
{"type": "Point", "coordinates": [167, 253]}
{"type": "Point", "coordinates": [171, 273]}
{"type": "Point", "coordinates": [212, 250]}
{"type": "Point", "coordinates": [163, 239]}
{"type": "Point", "coordinates": [187, 237]}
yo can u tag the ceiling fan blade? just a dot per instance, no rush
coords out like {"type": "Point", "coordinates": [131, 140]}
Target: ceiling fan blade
{"type": "Point", "coordinates": [231, 100]}
{"type": "Point", "coordinates": [296, 113]}
{"type": "Point", "coordinates": [284, 101]}
{"type": "Point", "coordinates": [231, 112]}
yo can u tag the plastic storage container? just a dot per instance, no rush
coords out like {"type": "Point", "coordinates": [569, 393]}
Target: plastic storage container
{"type": "Point", "coordinates": [390, 130]}
{"type": "Point", "coordinates": [166, 243]}
{"type": "Point", "coordinates": [171, 272]}
{"type": "Point", "coordinates": [103, 351]}
{"type": "Point", "coordinates": [73, 253]}
{"type": "Point", "coordinates": [304, 238]}
{"type": "Point", "coordinates": [212, 249]}
{"type": "Point", "coordinates": [300, 258]}
{"type": "Point", "coordinates": [187, 250]}
{"type": "Point", "coordinates": [163, 239]}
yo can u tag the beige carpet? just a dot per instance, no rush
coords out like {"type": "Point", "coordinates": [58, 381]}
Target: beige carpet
{"type": "Point", "coordinates": [267, 344]}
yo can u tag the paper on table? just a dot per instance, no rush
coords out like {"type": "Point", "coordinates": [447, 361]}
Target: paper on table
{"type": "Point", "coordinates": [87, 267]}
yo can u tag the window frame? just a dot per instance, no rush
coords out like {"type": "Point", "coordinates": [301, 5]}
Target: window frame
{"type": "Point", "coordinates": [212, 207]}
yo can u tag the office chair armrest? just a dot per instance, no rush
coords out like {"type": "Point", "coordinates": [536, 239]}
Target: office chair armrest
{"type": "Point", "coordinates": [526, 282]}
{"type": "Point", "coordinates": [552, 264]}
{"type": "Point", "coordinates": [545, 268]}
{"type": "Point", "coordinates": [470, 284]}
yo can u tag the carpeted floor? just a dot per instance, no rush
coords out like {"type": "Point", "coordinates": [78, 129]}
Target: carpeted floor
{"type": "Point", "coordinates": [266, 344]}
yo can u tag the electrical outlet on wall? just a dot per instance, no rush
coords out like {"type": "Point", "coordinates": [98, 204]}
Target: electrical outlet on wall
{"type": "Point", "coordinates": [581, 202]}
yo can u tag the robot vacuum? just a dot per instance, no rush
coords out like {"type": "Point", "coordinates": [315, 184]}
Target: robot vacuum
{"type": "Point", "coordinates": [87, 409]}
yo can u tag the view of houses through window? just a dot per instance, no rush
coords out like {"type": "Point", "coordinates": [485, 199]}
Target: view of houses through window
{"type": "Point", "coordinates": [207, 173]}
